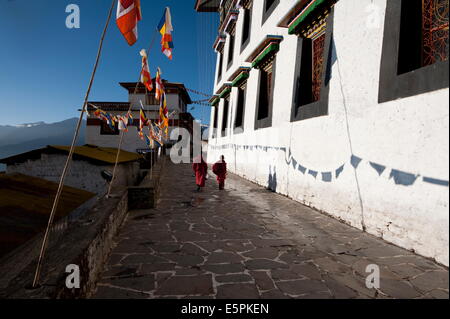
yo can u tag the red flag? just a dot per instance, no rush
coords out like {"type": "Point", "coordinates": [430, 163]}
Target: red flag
{"type": "Point", "coordinates": [128, 15]}
{"type": "Point", "coordinates": [146, 78]}
{"type": "Point", "coordinates": [159, 85]}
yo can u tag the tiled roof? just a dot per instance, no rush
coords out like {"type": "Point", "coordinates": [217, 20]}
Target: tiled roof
{"type": "Point", "coordinates": [108, 105]}
{"type": "Point", "coordinates": [89, 152]}
{"type": "Point", "coordinates": [103, 154]}
{"type": "Point", "coordinates": [26, 202]}
{"type": "Point", "coordinates": [131, 86]}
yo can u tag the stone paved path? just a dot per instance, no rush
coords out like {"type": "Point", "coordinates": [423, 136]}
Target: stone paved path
{"type": "Point", "coordinates": [247, 242]}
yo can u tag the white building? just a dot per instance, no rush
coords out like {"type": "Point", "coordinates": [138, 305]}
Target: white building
{"type": "Point", "coordinates": [341, 105]}
{"type": "Point", "coordinates": [85, 170]}
{"type": "Point", "coordinates": [99, 133]}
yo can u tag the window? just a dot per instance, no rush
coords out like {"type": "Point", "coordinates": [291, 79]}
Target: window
{"type": "Point", "coordinates": [265, 93]}
{"type": "Point", "coordinates": [231, 49]}
{"type": "Point", "coordinates": [150, 99]}
{"type": "Point", "coordinates": [423, 34]}
{"type": "Point", "coordinates": [419, 29]}
{"type": "Point", "coordinates": [268, 4]}
{"type": "Point", "coordinates": [216, 112]}
{"type": "Point", "coordinates": [269, 7]}
{"type": "Point", "coordinates": [265, 100]}
{"type": "Point", "coordinates": [309, 84]}
{"type": "Point", "coordinates": [240, 108]}
{"type": "Point", "coordinates": [219, 71]}
{"type": "Point", "coordinates": [313, 68]}
{"type": "Point", "coordinates": [105, 129]}
{"type": "Point", "coordinates": [246, 27]}
{"type": "Point", "coordinates": [226, 106]}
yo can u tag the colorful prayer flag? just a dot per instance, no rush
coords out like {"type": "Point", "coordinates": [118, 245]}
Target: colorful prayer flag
{"type": "Point", "coordinates": [165, 28]}
{"type": "Point", "coordinates": [104, 116]}
{"type": "Point", "coordinates": [159, 85]}
{"type": "Point", "coordinates": [148, 141]}
{"type": "Point", "coordinates": [155, 135]}
{"type": "Point", "coordinates": [163, 115]}
{"type": "Point", "coordinates": [143, 121]}
{"type": "Point", "coordinates": [128, 15]}
{"type": "Point", "coordinates": [123, 123]}
{"type": "Point", "coordinates": [146, 78]}
{"type": "Point", "coordinates": [130, 119]}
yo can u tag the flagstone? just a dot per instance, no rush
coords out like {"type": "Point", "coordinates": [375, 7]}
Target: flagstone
{"type": "Point", "coordinates": [237, 291]}
{"type": "Point", "coordinates": [246, 242]}
{"type": "Point", "coordinates": [234, 278]}
{"type": "Point", "coordinates": [143, 283]}
{"type": "Point", "coordinates": [187, 285]}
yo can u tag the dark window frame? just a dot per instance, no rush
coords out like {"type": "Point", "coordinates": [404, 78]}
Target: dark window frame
{"type": "Point", "coordinates": [231, 48]}
{"type": "Point", "coordinates": [320, 107]}
{"type": "Point", "coordinates": [241, 94]}
{"type": "Point", "coordinates": [150, 99]}
{"type": "Point", "coordinates": [220, 66]}
{"type": "Point", "coordinates": [225, 115]}
{"type": "Point", "coordinates": [267, 13]}
{"type": "Point", "coordinates": [395, 86]}
{"type": "Point", "coordinates": [106, 130]}
{"type": "Point", "coordinates": [248, 18]}
{"type": "Point", "coordinates": [215, 120]}
{"type": "Point", "coordinates": [267, 121]}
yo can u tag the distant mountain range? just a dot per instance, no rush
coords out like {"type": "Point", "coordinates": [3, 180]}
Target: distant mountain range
{"type": "Point", "coordinates": [26, 137]}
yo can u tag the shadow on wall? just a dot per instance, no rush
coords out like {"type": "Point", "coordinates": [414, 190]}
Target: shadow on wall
{"type": "Point", "coordinates": [272, 182]}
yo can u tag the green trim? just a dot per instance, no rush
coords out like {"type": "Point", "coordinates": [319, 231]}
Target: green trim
{"type": "Point", "coordinates": [224, 93]}
{"type": "Point", "coordinates": [241, 78]}
{"type": "Point", "coordinates": [302, 17]}
{"type": "Point", "coordinates": [215, 101]}
{"type": "Point", "coordinates": [269, 51]}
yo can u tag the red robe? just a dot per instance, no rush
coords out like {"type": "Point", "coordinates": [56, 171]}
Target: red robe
{"type": "Point", "coordinates": [200, 170]}
{"type": "Point", "coordinates": [220, 169]}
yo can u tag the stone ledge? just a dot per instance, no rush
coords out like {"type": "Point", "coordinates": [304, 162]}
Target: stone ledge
{"type": "Point", "coordinates": [145, 196]}
{"type": "Point", "coordinates": [87, 243]}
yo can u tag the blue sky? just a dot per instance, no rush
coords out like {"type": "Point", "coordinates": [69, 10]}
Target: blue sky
{"type": "Point", "coordinates": [45, 67]}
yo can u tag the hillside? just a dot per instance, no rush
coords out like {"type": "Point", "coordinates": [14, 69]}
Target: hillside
{"type": "Point", "coordinates": [22, 138]}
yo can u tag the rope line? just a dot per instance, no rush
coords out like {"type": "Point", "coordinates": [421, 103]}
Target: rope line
{"type": "Point", "coordinates": [69, 158]}
{"type": "Point", "coordinates": [199, 93]}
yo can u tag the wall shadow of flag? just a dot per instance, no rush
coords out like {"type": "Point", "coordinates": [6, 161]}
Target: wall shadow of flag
{"type": "Point", "coordinates": [403, 178]}
{"type": "Point", "coordinates": [313, 173]}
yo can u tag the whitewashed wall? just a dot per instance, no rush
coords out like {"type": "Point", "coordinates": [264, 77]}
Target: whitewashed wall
{"type": "Point", "coordinates": [82, 174]}
{"type": "Point", "coordinates": [409, 135]}
{"type": "Point", "coordinates": [132, 141]}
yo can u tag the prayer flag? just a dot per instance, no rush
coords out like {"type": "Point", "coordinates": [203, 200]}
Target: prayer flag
{"type": "Point", "coordinates": [165, 28]}
{"type": "Point", "coordinates": [143, 121]}
{"type": "Point", "coordinates": [155, 135]}
{"type": "Point", "coordinates": [146, 78]}
{"type": "Point", "coordinates": [163, 115]}
{"type": "Point", "coordinates": [128, 15]}
{"type": "Point", "coordinates": [159, 85]}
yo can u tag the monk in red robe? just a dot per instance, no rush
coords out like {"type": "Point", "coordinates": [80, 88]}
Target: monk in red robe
{"type": "Point", "coordinates": [200, 169]}
{"type": "Point", "coordinates": [220, 169]}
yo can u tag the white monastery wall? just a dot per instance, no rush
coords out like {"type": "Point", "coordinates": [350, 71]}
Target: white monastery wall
{"type": "Point", "coordinates": [311, 160]}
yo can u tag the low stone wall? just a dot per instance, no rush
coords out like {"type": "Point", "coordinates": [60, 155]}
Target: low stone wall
{"type": "Point", "coordinates": [86, 243]}
{"type": "Point", "coordinates": [145, 196]}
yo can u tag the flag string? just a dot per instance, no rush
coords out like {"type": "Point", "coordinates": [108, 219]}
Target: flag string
{"type": "Point", "coordinates": [122, 133]}
{"type": "Point", "coordinates": [70, 156]}
{"type": "Point", "coordinates": [198, 92]}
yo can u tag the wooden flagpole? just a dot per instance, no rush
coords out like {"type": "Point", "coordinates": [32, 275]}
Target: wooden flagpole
{"type": "Point", "coordinates": [72, 148]}
{"type": "Point", "coordinates": [122, 133]}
